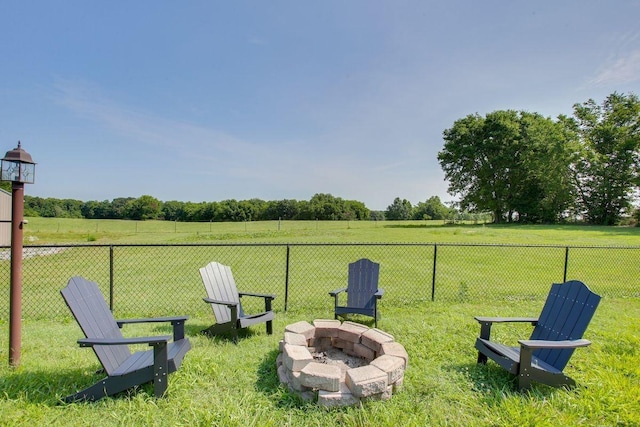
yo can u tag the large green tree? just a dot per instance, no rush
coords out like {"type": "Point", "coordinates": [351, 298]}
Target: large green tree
{"type": "Point", "coordinates": [607, 170]}
{"type": "Point", "coordinates": [513, 164]}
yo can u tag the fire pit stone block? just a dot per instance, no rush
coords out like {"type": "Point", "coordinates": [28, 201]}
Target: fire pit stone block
{"type": "Point", "coordinates": [395, 349]}
{"type": "Point", "coordinates": [343, 397]}
{"type": "Point", "coordinates": [392, 365]}
{"type": "Point", "coordinates": [351, 331]}
{"type": "Point", "coordinates": [366, 381]}
{"type": "Point", "coordinates": [303, 327]}
{"type": "Point", "coordinates": [326, 328]}
{"type": "Point", "coordinates": [294, 339]}
{"type": "Point", "coordinates": [321, 376]}
{"type": "Point", "coordinates": [374, 338]}
{"type": "Point", "coordinates": [364, 351]}
{"type": "Point", "coordinates": [296, 357]}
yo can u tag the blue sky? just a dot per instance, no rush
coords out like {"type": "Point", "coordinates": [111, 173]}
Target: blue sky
{"type": "Point", "coordinates": [211, 100]}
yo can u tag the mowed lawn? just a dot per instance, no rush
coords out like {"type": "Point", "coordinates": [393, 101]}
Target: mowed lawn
{"type": "Point", "coordinates": [224, 384]}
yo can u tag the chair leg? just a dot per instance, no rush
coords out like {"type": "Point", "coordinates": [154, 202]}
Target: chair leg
{"type": "Point", "coordinates": [269, 327]}
{"type": "Point", "coordinates": [160, 369]}
{"type": "Point", "coordinates": [482, 359]}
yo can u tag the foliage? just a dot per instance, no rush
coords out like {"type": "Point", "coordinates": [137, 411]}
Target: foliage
{"type": "Point", "coordinates": [509, 163]}
{"type": "Point", "coordinates": [320, 207]}
{"type": "Point", "coordinates": [432, 209]}
{"type": "Point", "coordinates": [398, 210]}
{"type": "Point", "coordinates": [609, 167]}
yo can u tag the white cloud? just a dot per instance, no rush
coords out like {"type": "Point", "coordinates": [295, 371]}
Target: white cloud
{"type": "Point", "coordinates": [622, 70]}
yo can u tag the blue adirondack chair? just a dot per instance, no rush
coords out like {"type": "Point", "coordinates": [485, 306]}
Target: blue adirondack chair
{"type": "Point", "coordinates": [362, 290]}
{"type": "Point", "coordinates": [124, 369]}
{"type": "Point", "coordinates": [557, 333]}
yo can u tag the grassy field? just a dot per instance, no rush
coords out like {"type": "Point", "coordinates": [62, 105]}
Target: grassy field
{"type": "Point", "coordinates": [62, 230]}
{"type": "Point", "coordinates": [223, 384]}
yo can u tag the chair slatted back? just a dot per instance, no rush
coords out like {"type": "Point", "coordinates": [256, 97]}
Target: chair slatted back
{"type": "Point", "coordinates": [92, 313]}
{"type": "Point", "coordinates": [565, 316]}
{"type": "Point", "coordinates": [362, 283]}
{"type": "Point", "coordinates": [220, 285]}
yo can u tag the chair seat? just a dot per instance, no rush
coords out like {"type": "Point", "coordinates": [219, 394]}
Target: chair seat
{"type": "Point", "coordinates": [256, 318]}
{"type": "Point", "coordinates": [144, 359]}
{"type": "Point", "coordinates": [513, 354]}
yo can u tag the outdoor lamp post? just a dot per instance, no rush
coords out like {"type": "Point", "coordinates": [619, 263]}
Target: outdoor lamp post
{"type": "Point", "coordinates": [19, 168]}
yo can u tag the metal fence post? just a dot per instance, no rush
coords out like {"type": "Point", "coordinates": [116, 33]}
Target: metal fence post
{"type": "Point", "coordinates": [566, 263]}
{"type": "Point", "coordinates": [433, 279]}
{"type": "Point", "coordinates": [111, 277]}
{"type": "Point", "coordinates": [286, 280]}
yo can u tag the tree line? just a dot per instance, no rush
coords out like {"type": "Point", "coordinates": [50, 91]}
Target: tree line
{"type": "Point", "coordinates": [321, 206]}
{"type": "Point", "coordinates": [524, 167]}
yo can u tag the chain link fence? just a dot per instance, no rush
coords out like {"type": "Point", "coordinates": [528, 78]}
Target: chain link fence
{"type": "Point", "coordinates": [152, 280]}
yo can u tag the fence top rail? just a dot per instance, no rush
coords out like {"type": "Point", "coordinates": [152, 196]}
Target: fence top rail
{"type": "Point", "coordinates": [248, 244]}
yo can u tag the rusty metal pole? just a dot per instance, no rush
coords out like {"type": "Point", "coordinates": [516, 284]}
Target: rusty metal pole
{"type": "Point", "coordinates": [15, 301]}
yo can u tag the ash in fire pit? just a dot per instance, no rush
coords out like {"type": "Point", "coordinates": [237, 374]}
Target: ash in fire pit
{"type": "Point", "coordinates": [340, 364]}
{"type": "Point", "coordinates": [339, 358]}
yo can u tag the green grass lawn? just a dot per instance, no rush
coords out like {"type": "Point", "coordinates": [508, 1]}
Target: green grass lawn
{"type": "Point", "coordinates": [223, 384]}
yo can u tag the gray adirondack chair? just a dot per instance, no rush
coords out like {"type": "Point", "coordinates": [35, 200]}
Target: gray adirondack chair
{"type": "Point", "coordinates": [125, 370]}
{"type": "Point", "coordinates": [362, 290]}
{"type": "Point", "coordinates": [557, 333]}
{"type": "Point", "coordinates": [224, 298]}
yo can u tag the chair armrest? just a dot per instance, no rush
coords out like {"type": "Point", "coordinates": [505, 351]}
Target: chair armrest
{"type": "Point", "coordinates": [90, 342]}
{"type": "Point", "coordinates": [533, 344]}
{"type": "Point", "coordinates": [227, 303]}
{"type": "Point", "coordinates": [487, 322]}
{"type": "Point", "coordinates": [337, 291]}
{"type": "Point", "coordinates": [176, 321]}
{"type": "Point", "coordinates": [379, 293]}
{"type": "Point", "coordinates": [532, 320]}
{"type": "Point", "coordinates": [250, 294]}
{"type": "Point", "coordinates": [171, 319]}
{"type": "Point", "coordinates": [527, 347]}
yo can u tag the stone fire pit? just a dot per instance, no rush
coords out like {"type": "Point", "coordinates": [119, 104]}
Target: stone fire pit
{"type": "Point", "coordinates": [340, 364]}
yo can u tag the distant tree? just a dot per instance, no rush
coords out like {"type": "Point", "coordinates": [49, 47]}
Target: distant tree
{"type": "Point", "coordinates": [96, 210]}
{"type": "Point", "coordinates": [543, 190]}
{"type": "Point", "coordinates": [120, 207]}
{"type": "Point", "coordinates": [53, 208]}
{"type": "Point", "coordinates": [144, 207]}
{"type": "Point", "coordinates": [608, 170]}
{"type": "Point", "coordinates": [230, 210]}
{"type": "Point", "coordinates": [253, 209]}
{"type": "Point", "coordinates": [376, 215]}
{"type": "Point", "coordinates": [509, 163]}
{"type": "Point", "coordinates": [173, 210]}
{"type": "Point", "coordinates": [433, 208]}
{"type": "Point", "coordinates": [282, 209]}
{"type": "Point", "coordinates": [203, 211]}
{"type": "Point", "coordinates": [398, 210]}
{"type": "Point", "coordinates": [326, 207]}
